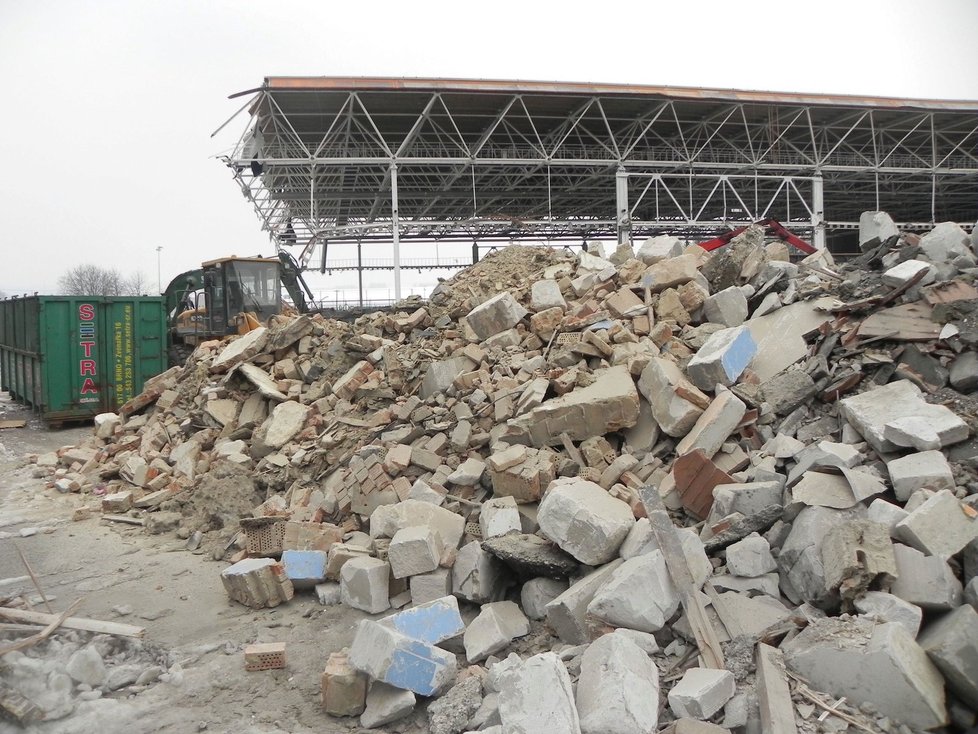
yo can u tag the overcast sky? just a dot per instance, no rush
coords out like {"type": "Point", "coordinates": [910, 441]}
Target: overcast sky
{"type": "Point", "coordinates": [105, 136]}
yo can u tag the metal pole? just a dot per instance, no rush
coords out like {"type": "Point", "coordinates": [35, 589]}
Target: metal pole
{"type": "Point", "coordinates": [360, 270]}
{"type": "Point", "coordinates": [818, 212]}
{"type": "Point", "coordinates": [395, 234]}
{"type": "Point", "coordinates": [159, 276]}
{"type": "Point", "coordinates": [621, 203]}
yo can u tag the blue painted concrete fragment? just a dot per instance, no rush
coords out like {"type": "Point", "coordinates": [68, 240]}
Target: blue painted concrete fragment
{"type": "Point", "coordinates": [739, 354]}
{"type": "Point", "coordinates": [305, 567]}
{"type": "Point", "coordinates": [432, 622]}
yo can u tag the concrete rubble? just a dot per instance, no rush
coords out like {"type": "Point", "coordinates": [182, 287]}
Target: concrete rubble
{"type": "Point", "coordinates": [472, 467]}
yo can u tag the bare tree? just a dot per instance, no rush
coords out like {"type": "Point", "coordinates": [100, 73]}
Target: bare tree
{"type": "Point", "coordinates": [90, 280]}
{"type": "Point", "coordinates": [135, 284]}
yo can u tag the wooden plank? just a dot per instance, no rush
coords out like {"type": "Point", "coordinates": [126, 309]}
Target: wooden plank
{"type": "Point", "coordinates": [74, 623]}
{"type": "Point", "coordinates": [37, 584]}
{"type": "Point", "coordinates": [672, 549]}
{"type": "Point", "coordinates": [124, 519]}
{"type": "Point", "coordinates": [56, 621]}
{"type": "Point", "coordinates": [774, 696]}
{"type": "Point", "coordinates": [12, 424]}
{"type": "Point", "coordinates": [909, 322]}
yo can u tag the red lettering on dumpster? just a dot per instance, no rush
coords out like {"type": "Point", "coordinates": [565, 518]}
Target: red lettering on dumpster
{"type": "Point", "coordinates": [88, 367]}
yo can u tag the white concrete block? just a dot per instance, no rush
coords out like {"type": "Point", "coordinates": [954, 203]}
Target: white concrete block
{"type": "Point", "coordinates": [365, 584]}
{"type": "Point", "coordinates": [584, 520]}
{"type": "Point", "coordinates": [413, 551]}
{"type": "Point", "coordinates": [618, 689]}
{"type": "Point", "coordinates": [639, 595]}
{"type": "Point", "coordinates": [921, 469]}
{"type": "Point", "coordinates": [497, 625]}
{"type": "Point", "coordinates": [701, 692]}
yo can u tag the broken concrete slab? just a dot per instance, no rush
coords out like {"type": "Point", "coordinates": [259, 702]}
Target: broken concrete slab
{"type": "Point", "coordinates": [609, 404]}
{"type": "Point", "coordinates": [921, 469]}
{"type": "Point", "coordinates": [584, 520]}
{"type": "Point", "coordinates": [391, 657]}
{"type": "Point", "coordinates": [441, 375]}
{"type": "Point", "coordinates": [876, 227]}
{"type": "Point", "coordinates": [498, 624]}
{"type": "Point", "coordinates": [897, 404]}
{"type": "Point", "coordinates": [364, 584]}
{"type": "Point", "coordinates": [945, 242]}
{"type": "Point", "coordinates": [951, 641]}
{"type": "Point", "coordinates": [638, 595]}
{"type": "Point", "coordinates": [779, 335]}
{"type": "Point", "coordinates": [618, 689]}
{"type": "Point", "coordinates": [433, 622]}
{"type": "Point", "coordinates": [499, 313]}
{"type": "Point", "coordinates": [939, 527]}
{"type": "Point", "coordinates": [727, 307]}
{"type": "Point", "coordinates": [414, 550]}
{"type": "Point", "coordinates": [267, 387]}
{"type": "Point", "coordinates": [879, 664]}
{"type": "Point", "coordinates": [240, 349]}
{"type": "Point", "coordinates": [722, 359]}
{"type": "Point", "coordinates": [531, 556]}
{"type": "Point", "coordinates": [536, 696]}
{"type": "Point", "coordinates": [546, 294]}
{"type": "Point", "coordinates": [750, 557]}
{"type": "Point", "coordinates": [537, 593]}
{"type": "Point", "coordinates": [926, 581]}
{"type": "Point", "coordinates": [478, 576]}
{"type": "Point", "coordinates": [386, 704]}
{"type": "Point", "coordinates": [499, 516]}
{"type": "Point", "coordinates": [281, 426]}
{"type": "Point", "coordinates": [675, 402]}
{"type": "Point", "coordinates": [890, 608]}
{"type": "Point", "coordinates": [656, 249]}
{"type": "Point", "coordinates": [567, 614]}
{"type": "Point", "coordinates": [714, 426]}
{"type": "Point", "coordinates": [701, 692]}
{"type": "Point", "coordinates": [386, 520]}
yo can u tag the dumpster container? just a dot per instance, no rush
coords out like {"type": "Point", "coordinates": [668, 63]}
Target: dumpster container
{"type": "Point", "coordinates": [72, 357]}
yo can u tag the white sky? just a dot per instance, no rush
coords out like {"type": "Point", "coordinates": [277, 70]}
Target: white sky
{"type": "Point", "coordinates": [104, 135]}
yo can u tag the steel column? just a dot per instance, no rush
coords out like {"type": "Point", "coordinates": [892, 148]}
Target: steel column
{"type": "Point", "coordinates": [395, 233]}
{"type": "Point", "coordinates": [621, 206]}
{"type": "Point", "coordinates": [818, 212]}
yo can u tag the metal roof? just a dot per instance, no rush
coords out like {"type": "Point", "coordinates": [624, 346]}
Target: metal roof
{"type": "Point", "coordinates": [364, 158]}
{"type": "Point", "coordinates": [503, 86]}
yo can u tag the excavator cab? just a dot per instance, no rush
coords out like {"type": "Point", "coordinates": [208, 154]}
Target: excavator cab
{"type": "Point", "coordinates": [241, 294]}
{"type": "Point", "coordinates": [227, 296]}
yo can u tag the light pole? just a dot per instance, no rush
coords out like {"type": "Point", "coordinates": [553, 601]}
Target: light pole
{"type": "Point", "coordinates": [159, 278]}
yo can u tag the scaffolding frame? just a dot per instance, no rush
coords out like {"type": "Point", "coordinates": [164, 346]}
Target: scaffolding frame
{"type": "Point", "coordinates": [326, 159]}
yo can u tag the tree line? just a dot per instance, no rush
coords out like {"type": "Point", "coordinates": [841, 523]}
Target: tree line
{"type": "Point", "coordinates": [92, 280]}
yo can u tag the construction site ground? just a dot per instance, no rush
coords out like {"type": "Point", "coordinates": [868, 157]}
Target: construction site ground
{"type": "Point", "coordinates": [175, 595]}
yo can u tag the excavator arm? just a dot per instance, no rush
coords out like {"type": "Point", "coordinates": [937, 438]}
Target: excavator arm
{"type": "Point", "coordinates": [771, 225]}
{"type": "Point", "coordinates": [294, 283]}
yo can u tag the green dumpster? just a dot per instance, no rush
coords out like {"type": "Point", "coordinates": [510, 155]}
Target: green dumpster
{"type": "Point", "coordinates": [72, 357]}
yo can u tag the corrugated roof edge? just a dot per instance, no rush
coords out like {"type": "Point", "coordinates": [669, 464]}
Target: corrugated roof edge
{"type": "Point", "coordinates": [420, 84]}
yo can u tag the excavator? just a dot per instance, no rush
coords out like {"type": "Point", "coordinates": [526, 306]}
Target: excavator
{"type": "Point", "coordinates": [230, 295]}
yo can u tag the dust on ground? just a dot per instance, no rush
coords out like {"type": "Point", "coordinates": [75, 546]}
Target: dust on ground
{"type": "Point", "coordinates": [194, 636]}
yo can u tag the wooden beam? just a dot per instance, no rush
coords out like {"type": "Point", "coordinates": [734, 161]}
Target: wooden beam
{"type": "Point", "coordinates": [774, 696]}
{"type": "Point", "coordinates": [74, 623]}
{"type": "Point", "coordinates": [672, 549]}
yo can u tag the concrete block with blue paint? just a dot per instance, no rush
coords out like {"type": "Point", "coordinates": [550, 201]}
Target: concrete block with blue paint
{"type": "Point", "coordinates": [304, 568]}
{"type": "Point", "coordinates": [722, 359]}
{"type": "Point", "coordinates": [432, 623]}
{"type": "Point", "coordinates": [385, 654]}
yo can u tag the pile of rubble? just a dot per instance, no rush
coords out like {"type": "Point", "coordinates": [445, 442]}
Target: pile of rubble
{"type": "Point", "coordinates": [675, 487]}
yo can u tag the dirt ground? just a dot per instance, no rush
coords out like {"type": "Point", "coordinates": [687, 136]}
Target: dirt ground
{"type": "Point", "coordinates": [178, 597]}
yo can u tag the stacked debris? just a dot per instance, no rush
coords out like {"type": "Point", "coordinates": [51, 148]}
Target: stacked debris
{"type": "Point", "coordinates": [732, 483]}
